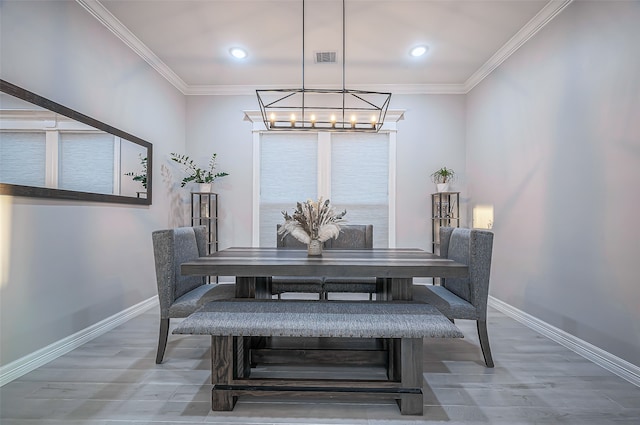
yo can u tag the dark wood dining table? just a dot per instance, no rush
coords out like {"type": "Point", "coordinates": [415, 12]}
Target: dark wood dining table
{"type": "Point", "coordinates": [394, 268]}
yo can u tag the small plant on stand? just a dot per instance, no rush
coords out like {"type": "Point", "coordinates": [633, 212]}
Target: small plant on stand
{"type": "Point", "coordinates": [202, 176]}
{"type": "Point", "coordinates": [442, 178]}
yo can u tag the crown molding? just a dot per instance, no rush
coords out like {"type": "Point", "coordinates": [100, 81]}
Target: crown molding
{"type": "Point", "coordinates": [542, 18]}
{"type": "Point", "coordinates": [232, 90]}
{"type": "Point", "coordinates": [106, 18]}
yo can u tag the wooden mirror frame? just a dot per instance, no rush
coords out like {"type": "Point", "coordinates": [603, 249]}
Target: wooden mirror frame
{"type": "Point", "coordinates": [44, 192]}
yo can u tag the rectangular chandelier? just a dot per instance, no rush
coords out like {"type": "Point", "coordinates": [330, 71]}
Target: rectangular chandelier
{"type": "Point", "coordinates": [323, 109]}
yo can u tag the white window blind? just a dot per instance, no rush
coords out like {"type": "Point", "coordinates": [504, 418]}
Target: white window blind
{"type": "Point", "coordinates": [288, 174]}
{"type": "Point", "coordinates": [23, 158]}
{"type": "Point", "coordinates": [360, 180]}
{"type": "Point", "coordinates": [86, 162]}
{"type": "Point", "coordinates": [353, 170]}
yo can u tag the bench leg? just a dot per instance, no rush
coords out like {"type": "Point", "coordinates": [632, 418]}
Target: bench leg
{"type": "Point", "coordinates": [222, 372]}
{"type": "Point", "coordinates": [411, 352]}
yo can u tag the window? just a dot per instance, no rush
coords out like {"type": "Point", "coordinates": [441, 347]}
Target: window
{"type": "Point", "coordinates": [360, 180]}
{"type": "Point", "coordinates": [86, 162]}
{"type": "Point", "coordinates": [42, 149]}
{"type": "Point", "coordinates": [288, 173]}
{"type": "Point", "coordinates": [354, 170]}
{"type": "Point", "coordinates": [23, 157]}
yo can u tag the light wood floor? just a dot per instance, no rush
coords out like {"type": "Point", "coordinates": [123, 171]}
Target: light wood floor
{"type": "Point", "coordinates": [114, 380]}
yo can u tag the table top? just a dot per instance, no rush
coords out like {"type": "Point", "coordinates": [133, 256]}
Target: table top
{"type": "Point", "coordinates": [377, 262]}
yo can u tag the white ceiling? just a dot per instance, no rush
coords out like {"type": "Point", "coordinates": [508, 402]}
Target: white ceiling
{"type": "Point", "coordinates": [188, 41]}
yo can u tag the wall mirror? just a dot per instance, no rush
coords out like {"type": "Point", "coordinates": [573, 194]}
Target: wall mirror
{"type": "Point", "coordinates": [50, 151]}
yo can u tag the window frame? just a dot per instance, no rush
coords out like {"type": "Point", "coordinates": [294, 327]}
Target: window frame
{"type": "Point", "coordinates": [324, 176]}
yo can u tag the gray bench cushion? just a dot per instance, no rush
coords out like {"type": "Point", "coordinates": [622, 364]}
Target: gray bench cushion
{"type": "Point", "coordinates": [247, 317]}
{"type": "Point", "coordinates": [446, 301]}
{"type": "Point", "coordinates": [196, 298]}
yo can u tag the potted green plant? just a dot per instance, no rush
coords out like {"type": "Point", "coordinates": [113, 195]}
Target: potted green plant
{"type": "Point", "coordinates": [142, 176]}
{"type": "Point", "coordinates": [202, 176]}
{"type": "Point", "coordinates": [442, 178]}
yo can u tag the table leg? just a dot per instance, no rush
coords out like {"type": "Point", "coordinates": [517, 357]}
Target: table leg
{"type": "Point", "coordinates": [245, 287]}
{"type": "Point", "coordinates": [253, 287]}
{"type": "Point", "coordinates": [383, 289]}
{"type": "Point", "coordinates": [402, 288]}
{"type": "Point", "coordinates": [263, 287]}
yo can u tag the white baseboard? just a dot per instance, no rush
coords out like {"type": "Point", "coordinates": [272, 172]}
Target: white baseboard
{"type": "Point", "coordinates": [602, 358]}
{"type": "Point", "coordinates": [32, 361]}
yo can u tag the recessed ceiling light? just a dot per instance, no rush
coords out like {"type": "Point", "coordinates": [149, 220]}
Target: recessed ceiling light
{"type": "Point", "coordinates": [418, 51]}
{"type": "Point", "coordinates": [238, 53]}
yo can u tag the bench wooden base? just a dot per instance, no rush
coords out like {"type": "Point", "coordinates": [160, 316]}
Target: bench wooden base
{"type": "Point", "coordinates": [394, 329]}
{"type": "Point", "coordinates": [231, 378]}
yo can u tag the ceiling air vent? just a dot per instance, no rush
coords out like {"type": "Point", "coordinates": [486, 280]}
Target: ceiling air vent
{"type": "Point", "coordinates": [325, 57]}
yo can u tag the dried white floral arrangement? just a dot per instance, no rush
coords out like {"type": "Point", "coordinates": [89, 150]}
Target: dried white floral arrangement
{"type": "Point", "coordinates": [312, 220]}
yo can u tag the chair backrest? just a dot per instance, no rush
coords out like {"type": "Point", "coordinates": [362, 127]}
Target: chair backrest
{"type": "Point", "coordinates": [472, 247]}
{"type": "Point", "coordinates": [171, 248]}
{"type": "Point", "coordinates": [352, 236]}
{"type": "Point", "coordinates": [288, 241]}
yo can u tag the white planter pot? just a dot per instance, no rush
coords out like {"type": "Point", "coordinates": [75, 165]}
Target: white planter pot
{"type": "Point", "coordinates": [442, 187]}
{"type": "Point", "coordinates": [204, 187]}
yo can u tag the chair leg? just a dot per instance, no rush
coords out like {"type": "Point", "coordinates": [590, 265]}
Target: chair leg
{"type": "Point", "coordinates": [162, 339]}
{"type": "Point", "coordinates": [484, 342]}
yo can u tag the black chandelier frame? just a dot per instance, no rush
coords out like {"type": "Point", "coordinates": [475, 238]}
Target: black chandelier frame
{"type": "Point", "coordinates": [307, 109]}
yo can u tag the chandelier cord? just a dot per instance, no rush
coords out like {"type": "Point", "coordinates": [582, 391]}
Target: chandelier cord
{"type": "Point", "coordinates": [302, 44]}
{"type": "Point", "coordinates": [303, 60]}
{"type": "Point", "coordinates": [344, 58]}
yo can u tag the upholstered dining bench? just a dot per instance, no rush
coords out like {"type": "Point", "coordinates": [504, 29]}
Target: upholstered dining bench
{"type": "Point", "coordinates": [232, 323]}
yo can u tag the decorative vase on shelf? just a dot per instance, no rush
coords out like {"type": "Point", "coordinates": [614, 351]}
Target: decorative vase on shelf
{"type": "Point", "coordinates": [442, 187]}
{"type": "Point", "coordinates": [314, 247]}
{"type": "Point", "coordinates": [204, 187]}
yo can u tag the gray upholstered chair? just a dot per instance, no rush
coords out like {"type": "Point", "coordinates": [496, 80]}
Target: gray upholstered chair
{"type": "Point", "coordinates": [179, 295]}
{"type": "Point", "coordinates": [464, 298]}
{"type": "Point", "coordinates": [352, 236]}
{"type": "Point", "coordinates": [302, 284]}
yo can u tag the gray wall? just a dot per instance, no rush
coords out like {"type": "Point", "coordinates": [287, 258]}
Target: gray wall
{"type": "Point", "coordinates": [431, 136]}
{"type": "Point", "coordinates": [553, 143]}
{"type": "Point", "coordinates": [66, 265]}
